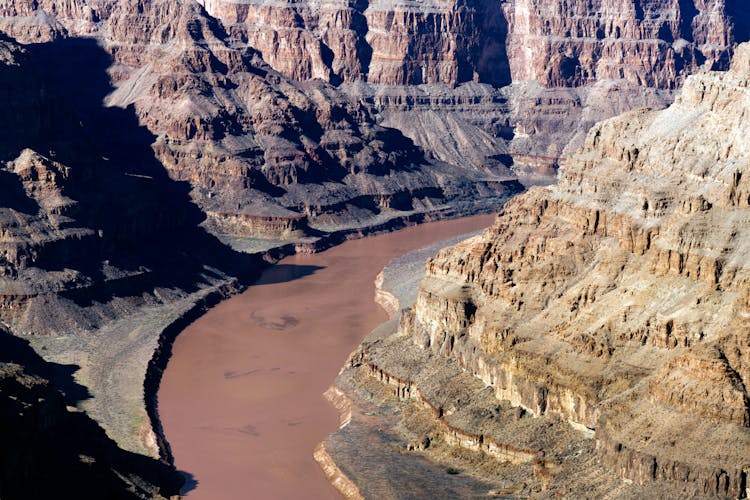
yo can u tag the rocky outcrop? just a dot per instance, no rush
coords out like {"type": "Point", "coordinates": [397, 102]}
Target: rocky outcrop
{"type": "Point", "coordinates": [615, 301]}
{"type": "Point", "coordinates": [570, 64]}
{"type": "Point", "coordinates": [562, 65]}
{"type": "Point", "coordinates": [250, 142]}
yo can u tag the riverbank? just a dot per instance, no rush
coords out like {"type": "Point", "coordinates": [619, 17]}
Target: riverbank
{"type": "Point", "coordinates": [119, 364]}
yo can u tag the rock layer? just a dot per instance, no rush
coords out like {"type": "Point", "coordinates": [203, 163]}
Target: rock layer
{"type": "Point", "coordinates": [560, 43]}
{"type": "Point", "coordinates": [571, 63]}
{"type": "Point", "coordinates": [616, 301]}
{"type": "Point", "coordinates": [251, 143]}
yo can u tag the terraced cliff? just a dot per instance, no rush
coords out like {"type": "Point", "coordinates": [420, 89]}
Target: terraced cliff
{"type": "Point", "coordinates": [259, 151]}
{"type": "Point", "coordinates": [570, 63]}
{"type": "Point", "coordinates": [155, 154]}
{"type": "Point", "coordinates": [559, 43]}
{"type": "Point", "coordinates": [611, 308]}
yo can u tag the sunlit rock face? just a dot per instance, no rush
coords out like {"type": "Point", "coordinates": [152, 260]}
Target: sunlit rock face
{"type": "Point", "coordinates": [571, 63]}
{"type": "Point", "coordinates": [560, 43]}
{"type": "Point", "coordinates": [618, 299]}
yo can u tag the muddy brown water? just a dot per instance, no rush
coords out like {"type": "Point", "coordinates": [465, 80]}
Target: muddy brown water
{"type": "Point", "coordinates": [241, 399]}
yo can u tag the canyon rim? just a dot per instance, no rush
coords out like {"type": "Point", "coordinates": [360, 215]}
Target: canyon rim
{"type": "Point", "coordinates": [156, 155]}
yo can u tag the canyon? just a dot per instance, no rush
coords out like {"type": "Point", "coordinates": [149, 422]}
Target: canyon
{"type": "Point", "coordinates": [157, 155]}
{"type": "Point", "coordinates": [594, 340]}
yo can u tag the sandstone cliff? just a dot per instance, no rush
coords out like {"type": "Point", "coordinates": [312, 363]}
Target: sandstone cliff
{"type": "Point", "coordinates": [571, 63]}
{"type": "Point", "coordinates": [615, 302]}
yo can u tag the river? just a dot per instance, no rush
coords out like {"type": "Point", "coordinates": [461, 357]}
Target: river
{"type": "Point", "coordinates": [241, 398]}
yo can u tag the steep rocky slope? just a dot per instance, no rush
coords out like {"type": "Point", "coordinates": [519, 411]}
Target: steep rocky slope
{"type": "Point", "coordinates": [611, 308]}
{"type": "Point", "coordinates": [133, 133]}
{"type": "Point", "coordinates": [265, 156]}
{"type": "Point", "coordinates": [519, 79]}
{"type": "Point", "coordinates": [558, 43]}
{"type": "Point", "coordinates": [553, 52]}
{"type": "Point", "coordinates": [82, 220]}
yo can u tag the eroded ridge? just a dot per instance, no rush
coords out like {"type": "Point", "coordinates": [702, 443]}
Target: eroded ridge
{"type": "Point", "coordinates": [615, 302]}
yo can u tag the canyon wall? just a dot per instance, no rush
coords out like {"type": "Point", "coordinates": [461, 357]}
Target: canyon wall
{"type": "Point", "coordinates": [251, 143]}
{"type": "Point", "coordinates": [139, 147]}
{"type": "Point", "coordinates": [563, 43]}
{"type": "Point", "coordinates": [571, 63]}
{"type": "Point", "coordinates": [616, 302]}
{"type": "Point", "coordinates": [276, 110]}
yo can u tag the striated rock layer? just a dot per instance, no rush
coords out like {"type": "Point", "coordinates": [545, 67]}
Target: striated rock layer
{"type": "Point", "coordinates": [570, 62]}
{"type": "Point", "coordinates": [557, 43]}
{"type": "Point", "coordinates": [616, 301]}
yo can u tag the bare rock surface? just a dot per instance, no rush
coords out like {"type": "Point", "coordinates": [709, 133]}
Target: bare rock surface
{"type": "Point", "coordinates": [570, 63]}
{"type": "Point", "coordinates": [613, 305]}
{"type": "Point", "coordinates": [265, 155]}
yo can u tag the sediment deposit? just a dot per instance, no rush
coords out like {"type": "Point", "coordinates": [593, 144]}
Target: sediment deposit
{"type": "Point", "coordinates": [611, 308]}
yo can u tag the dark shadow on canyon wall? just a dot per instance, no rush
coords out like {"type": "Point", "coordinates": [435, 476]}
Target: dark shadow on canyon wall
{"type": "Point", "coordinates": [360, 26]}
{"type": "Point", "coordinates": [17, 350]}
{"type": "Point", "coordinates": [146, 229]}
{"type": "Point", "coordinates": [688, 11]}
{"type": "Point", "coordinates": [491, 57]}
{"type": "Point", "coordinates": [739, 12]}
{"type": "Point", "coordinates": [48, 452]}
{"type": "Point", "coordinates": [146, 222]}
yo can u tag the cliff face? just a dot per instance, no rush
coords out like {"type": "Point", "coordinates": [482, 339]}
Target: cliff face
{"type": "Point", "coordinates": [616, 301]}
{"type": "Point", "coordinates": [560, 43]}
{"type": "Point", "coordinates": [570, 63]}
{"type": "Point", "coordinates": [563, 59]}
{"type": "Point", "coordinates": [240, 107]}
{"type": "Point", "coordinates": [79, 200]}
